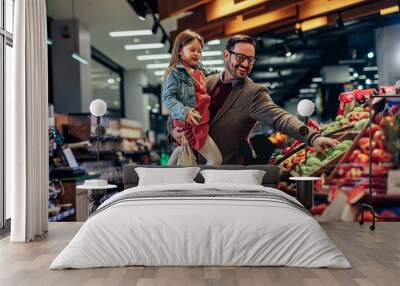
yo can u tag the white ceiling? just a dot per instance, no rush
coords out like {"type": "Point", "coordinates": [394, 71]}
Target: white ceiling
{"type": "Point", "coordinates": [101, 17]}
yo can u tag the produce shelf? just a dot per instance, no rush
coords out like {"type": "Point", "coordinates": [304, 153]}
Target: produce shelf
{"type": "Point", "coordinates": [62, 215]}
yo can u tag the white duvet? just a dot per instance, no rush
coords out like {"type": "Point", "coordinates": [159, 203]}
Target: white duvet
{"type": "Point", "coordinates": [200, 231]}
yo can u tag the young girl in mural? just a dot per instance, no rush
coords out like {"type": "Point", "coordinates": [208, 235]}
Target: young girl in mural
{"type": "Point", "coordinates": [185, 94]}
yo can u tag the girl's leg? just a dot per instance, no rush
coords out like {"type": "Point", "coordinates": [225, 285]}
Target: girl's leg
{"type": "Point", "coordinates": [211, 152]}
{"type": "Point", "coordinates": [173, 159]}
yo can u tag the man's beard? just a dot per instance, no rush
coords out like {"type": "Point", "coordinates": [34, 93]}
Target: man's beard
{"type": "Point", "coordinates": [233, 70]}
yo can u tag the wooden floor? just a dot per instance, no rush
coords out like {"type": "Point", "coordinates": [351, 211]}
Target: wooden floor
{"type": "Point", "coordinates": [375, 257]}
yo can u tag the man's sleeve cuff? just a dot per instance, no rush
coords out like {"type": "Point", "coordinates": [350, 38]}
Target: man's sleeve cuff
{"type": "Point", "coordinates": [313, 137]}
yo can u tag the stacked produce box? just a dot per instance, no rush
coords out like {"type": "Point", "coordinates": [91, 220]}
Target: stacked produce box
{"type": "Point", "coordinates": [345, 168]}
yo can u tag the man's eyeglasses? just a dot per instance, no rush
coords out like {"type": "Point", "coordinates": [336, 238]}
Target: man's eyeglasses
{"type": "Point", "coordinates": [241, 58]}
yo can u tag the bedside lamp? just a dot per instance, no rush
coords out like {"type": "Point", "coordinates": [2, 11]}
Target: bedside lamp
{"type": "Point", "coordinates": [305, 185]}
{"type": "Point", "coordinates": [96, 188]}
{"type": "Point", "coordinates": [98, 108]}
{"type": "Point", "coordinates": [305, 108]}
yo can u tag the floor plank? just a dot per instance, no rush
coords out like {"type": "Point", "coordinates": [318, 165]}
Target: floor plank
{"type": "Point", "coordinates": [375, 257]}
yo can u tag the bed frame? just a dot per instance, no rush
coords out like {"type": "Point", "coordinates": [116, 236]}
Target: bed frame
{"type": "Point", "coordinates": [270, 179]}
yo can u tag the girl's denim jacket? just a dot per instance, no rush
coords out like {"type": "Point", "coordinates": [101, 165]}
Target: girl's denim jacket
{"type": "Point", "coordinates": [178, 91]}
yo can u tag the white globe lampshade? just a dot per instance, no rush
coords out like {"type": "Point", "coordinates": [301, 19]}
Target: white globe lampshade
{"type": "Point", "coordinates": [98, 107]}
{"type": "Point", "coordinates": [305, 107]}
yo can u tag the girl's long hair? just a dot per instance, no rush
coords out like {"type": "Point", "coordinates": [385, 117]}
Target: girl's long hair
{"type": "Point", "coordinates": [182, 39]}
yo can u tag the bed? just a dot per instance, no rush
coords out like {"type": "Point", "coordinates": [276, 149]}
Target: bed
{"type": "Point", "coordinates": [197, 224]}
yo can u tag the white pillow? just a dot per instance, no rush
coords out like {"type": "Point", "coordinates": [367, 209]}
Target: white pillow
{"type": "Point", "coordinates": [248, 177]}
{"type": "Point", "coordinates": [166, 176]}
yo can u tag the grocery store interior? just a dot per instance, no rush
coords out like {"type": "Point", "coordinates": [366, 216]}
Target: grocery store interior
{"type": "Point", "coordinates": [341, 56]}
{"type": "Point", "coordinates": [350, 48]}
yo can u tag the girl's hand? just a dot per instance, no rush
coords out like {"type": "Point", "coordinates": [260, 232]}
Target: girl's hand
{"type": "Point", "coordinates": [193, 117]}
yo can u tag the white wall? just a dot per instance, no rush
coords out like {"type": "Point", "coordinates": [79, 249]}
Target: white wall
{"type": "Point", "coordinates": [135, 101]}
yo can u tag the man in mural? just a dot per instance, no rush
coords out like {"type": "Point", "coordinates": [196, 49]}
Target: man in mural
{"type": "Point", "coordinates": [237, 103]}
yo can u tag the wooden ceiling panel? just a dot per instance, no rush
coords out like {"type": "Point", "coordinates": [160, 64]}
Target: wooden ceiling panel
{"type": "Point", "coordinates": [240, 25]}
{"type": "Point", "coordinates": [362, 11]}
{"type": "Point", "coordinates": [319, 7]}
{"type": "Point", "coordinates": [169, 8]}
{"type": "Point", "coordinates": [222, 8]}
{"type": "Point", "coordinates": [253, 16]}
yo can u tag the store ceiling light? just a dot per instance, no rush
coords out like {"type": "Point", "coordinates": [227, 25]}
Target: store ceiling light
{"type": "Point", "coordinates": [368, 81]}
{"type": "Point", "coordinates": [144, 46]}
{"type": "Point", "coordinates": [130, 33]}
{"type": "Point", "coordinates": [50, 42]}
{"type": "Point", "coordinates": [157, 66]}
{"type": "Point", "coordinates": [370, 68]}
{"type": "Point", "coordinates": [213, 42]}
{"type": "Point", "coordinates": [80, 59]}
{"type": "Point", "coordinates": [285, 72]}
{"type": "Point", "coordinates": [370, 55]}
{"type": "Point", "coordinates": [389, 10]}
{"type": "Point", "coordinates": [307, 90]}
{"type": "Point", "coordinates": [317, 79]}
{"type": "Point", "coordinates": [355, 75]}
{"type": "Point", "coordinates": [159, 73]}
{"type": "Point", "coordinates": [153, 57]}
{"type": "Point", "coordinates": [213, 62]}
{"type": "Point", "coordinates": [211, 53]}
{"type": "Point", "coordinates": [363, 76]}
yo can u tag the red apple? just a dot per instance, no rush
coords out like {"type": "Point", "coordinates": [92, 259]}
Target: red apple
{"type": "Point", "coordinates": [353, 156]}
{"type": "Point", "coordinates": [363, 140]}
{"type": "Point", "coordinates": [365, 147]}
{"type": "Point", "coordinates": [378, 135]}
{"type": "Point", "coordinates": [353, 173]}
{"type": "Point", "coordinates": [378, 154]}
{"type": "Point", "coordinates": [362, 159]}
{"type": "Point", "coordinates": [374, 128]}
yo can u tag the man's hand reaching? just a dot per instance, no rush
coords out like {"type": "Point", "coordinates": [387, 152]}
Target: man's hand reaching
{"type": "Point", "coordinates": [322, 143]}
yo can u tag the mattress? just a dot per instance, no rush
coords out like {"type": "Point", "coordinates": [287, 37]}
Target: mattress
{"type": "Point", "coordinates": [201, 225]}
